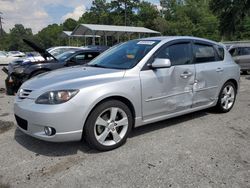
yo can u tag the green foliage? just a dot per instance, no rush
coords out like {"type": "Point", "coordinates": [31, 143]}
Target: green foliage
{"type": "Point", "coordinates": [13, 40]}
{"type": "Point", "coordinates": [231, 15]}
{"type": "Point", "coordinates": [69, 24]}
{"type": "Point", "coordinates": [212, 19]}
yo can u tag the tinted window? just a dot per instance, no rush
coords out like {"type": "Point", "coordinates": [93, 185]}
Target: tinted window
{"type": "Point", "coordinates": [91, 55]}
{"type": "Point", "coordinates": [124, 56]}
{"type": "Point", "coordinates": [179, 54]}
{"type": "Point", "coordinates": [245, 51]}
{"type": "Point", "coordinates": [204, 53]}
{"type": "Point", "coordinates": [233, 52]}
{"type": "Point", "coordinates": [221, 52]}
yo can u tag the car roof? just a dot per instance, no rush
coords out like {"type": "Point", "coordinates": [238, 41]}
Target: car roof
{"type": "Point", "coordinates": [170, 38]}
{"type": "Point", "coordinates": [85, 50]}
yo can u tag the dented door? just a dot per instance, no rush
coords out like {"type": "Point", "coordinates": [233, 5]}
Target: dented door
{"type": "Point", "coordinates": [168, 90]}
{"type": "Point", "coordinates": [209, 72]}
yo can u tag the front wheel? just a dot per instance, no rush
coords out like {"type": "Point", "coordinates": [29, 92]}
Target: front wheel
{"type": "Point", "coordinates": [226, 98]}
{"type": "Point", "coordinates": [108, 125]}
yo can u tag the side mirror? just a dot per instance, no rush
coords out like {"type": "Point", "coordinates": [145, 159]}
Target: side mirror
{"type": "Point", "coordinates": [160, 63]}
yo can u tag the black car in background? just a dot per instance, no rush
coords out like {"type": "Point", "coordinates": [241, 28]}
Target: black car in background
{"type": "Point", "coordinates": [19, 71]}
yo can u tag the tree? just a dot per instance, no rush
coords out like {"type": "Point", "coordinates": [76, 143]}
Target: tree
{"type": "Point", "coordinates": [14, 40]}
{"type": "Point", "coordinates": [231, 14]}
{"type": "Point", "coordinates": [69, 24]}
{"type": "Point", "coordinates": [50, 36]}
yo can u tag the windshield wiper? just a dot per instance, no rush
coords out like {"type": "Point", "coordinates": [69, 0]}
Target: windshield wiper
{"type": "Point", "coordinates": [96, 65]}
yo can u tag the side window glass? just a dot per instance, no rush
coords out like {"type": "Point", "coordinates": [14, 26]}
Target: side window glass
{"type": "Point", "coordinates": [233, 52]}
{"type": "Point", "coordinates": [179, 54]}
{"type": "Point", "coordinates": [221, 52]}
{"type": "Point", "coordinates": [204, 53]}
{"type": "Point", "coordinates": [245, 51]}
{"type": "Point", "coordinates": [80, 57]}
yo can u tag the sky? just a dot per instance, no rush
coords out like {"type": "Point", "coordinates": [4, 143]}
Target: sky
{"type": "Point", "coordinates": [37, 14]}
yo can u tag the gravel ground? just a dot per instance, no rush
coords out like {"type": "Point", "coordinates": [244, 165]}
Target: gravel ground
{"type": "Point", "coordinates": [202, 149]}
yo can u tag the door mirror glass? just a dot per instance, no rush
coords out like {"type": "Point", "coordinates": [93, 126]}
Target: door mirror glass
{"type": "Point", "coordinates": [161, 63]}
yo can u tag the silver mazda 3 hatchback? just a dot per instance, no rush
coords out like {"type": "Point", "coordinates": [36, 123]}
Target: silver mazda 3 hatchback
{"type": "Point", "coordinates": [135, 83]}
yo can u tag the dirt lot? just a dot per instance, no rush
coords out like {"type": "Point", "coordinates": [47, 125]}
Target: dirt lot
{"type": "Point", "coordinates": [202, 149]}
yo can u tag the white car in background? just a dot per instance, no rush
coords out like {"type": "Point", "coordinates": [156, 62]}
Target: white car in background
{"type": "Point", "coordinates": [5, 58]}
{"type": "Point", "coordinates": [36, 57]}
{"type": "Point", "coordinates": [16, 54]}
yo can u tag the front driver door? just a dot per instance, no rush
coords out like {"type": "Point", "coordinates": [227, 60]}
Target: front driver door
{"type": "Point", "coordinates": [168, 90]}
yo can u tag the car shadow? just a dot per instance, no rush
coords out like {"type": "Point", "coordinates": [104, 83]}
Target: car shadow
{"type": "Point", "coordinates": [40, 147]}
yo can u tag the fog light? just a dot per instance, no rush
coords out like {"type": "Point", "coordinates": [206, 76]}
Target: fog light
{"type": "Point", "coordinates": [49, 131]}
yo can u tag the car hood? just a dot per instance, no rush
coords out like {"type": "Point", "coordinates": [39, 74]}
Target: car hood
{"type": "Point", "coordinates": [75, 77]}
{"type": "Point", "coordinates": [44, 53]}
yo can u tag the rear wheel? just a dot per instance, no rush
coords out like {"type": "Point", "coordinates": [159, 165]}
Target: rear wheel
{"type": "Point", "coordinates": [108, 125]}
{"type": "Point", "coordinates": [226, 98]}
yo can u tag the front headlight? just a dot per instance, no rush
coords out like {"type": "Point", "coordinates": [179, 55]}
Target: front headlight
{"type": "Point", "coordinates": [19, 70]}
{"type": "Point", "coordinates": [56, 97]}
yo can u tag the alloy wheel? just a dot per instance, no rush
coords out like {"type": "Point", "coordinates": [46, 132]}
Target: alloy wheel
{"type": "Point", "coordinates": [111, 126]}
{"type": "Point", "coordinates": [228, 97]}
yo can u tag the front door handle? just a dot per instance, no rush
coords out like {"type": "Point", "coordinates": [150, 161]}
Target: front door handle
{"type": "Point", "coordinates": [185, 75]}
{"type": "Point", "coordinates": [219, 69]}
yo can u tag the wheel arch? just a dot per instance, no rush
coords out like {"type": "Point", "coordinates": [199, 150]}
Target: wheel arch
{"type": "Point", "coordinates": [123, 99]}
{"type": "Point", "coordinates": [234, 82]}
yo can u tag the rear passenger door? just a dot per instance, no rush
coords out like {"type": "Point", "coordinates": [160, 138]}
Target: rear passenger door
{"type": "Point", "coordinates": [209, 70]}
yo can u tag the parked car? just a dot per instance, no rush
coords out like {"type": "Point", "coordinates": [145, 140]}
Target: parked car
{"type": "Point", "coordinates": [5, 58]}
{"type": "Point", "coordinates": [57, 50]}
{"type": "Point", "coordinates": [21, 70]}
{"type": "Point", "coordinates": [241, 55]}
{"type": "Point", "coordinates": [136, 83]}
{"type": "Point", "coordinates": [16, 54]}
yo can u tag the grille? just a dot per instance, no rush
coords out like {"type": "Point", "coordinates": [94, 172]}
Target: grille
{"type": "Point", "coordinates": [21, 122]}
{"type": "Point", "coordinates": [24, 93]}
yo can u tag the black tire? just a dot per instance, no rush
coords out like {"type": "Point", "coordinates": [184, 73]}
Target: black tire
{"type": "Point", "coordinates": [37, 73]}
{"type": "Point", "coordinates": [89, 134]}
{"type": "Point", "coordinates": [219, 107]}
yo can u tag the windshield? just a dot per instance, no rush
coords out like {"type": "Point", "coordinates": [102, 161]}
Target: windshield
{"type": "Point", "coordinates": [65, 55]}
{"type": "Point", "coordinates": [3, 53]}
{"type": "Point", "coordinates": [124, 56]}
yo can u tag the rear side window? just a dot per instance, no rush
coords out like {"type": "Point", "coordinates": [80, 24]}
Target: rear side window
{"type": "Point", "coordinates": [204, 53]}
{"type": "Point", "coordinates": [221, 52]}
{"type": "Point", "coordinates": [178, 54]}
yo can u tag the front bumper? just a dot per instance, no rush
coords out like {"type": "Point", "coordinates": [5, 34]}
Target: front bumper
{"type": "Point", "coordinates": [64, 118]}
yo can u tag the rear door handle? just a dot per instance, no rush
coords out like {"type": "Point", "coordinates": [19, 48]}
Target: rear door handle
{"type": "Point", "coordinates": [219, 69]}
{"type": "Point", "coordinates": [185, 75]}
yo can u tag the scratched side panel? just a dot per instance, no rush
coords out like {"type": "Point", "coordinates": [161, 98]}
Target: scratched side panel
{"type": "Point", "coordinates": [207, 83]}
{"type": "Point", "coordinates": [165, 92]}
